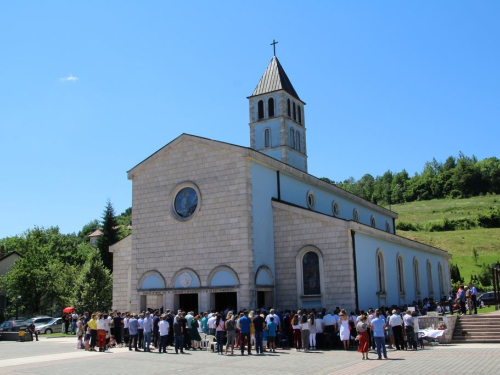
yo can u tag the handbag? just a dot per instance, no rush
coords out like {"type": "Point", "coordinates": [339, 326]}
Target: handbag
{"type": "Point", "coordinates": [358, 338]}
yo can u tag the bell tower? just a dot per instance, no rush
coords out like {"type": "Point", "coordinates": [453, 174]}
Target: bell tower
{"type": "Point", "coordinates": [277, 120]}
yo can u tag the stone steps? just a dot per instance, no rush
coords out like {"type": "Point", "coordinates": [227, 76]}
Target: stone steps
{"type": "Point", "coordinates": [479, 328]}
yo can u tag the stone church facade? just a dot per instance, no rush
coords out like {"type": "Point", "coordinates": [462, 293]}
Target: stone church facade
{"type": "Point", "coordinates": [217, 225]}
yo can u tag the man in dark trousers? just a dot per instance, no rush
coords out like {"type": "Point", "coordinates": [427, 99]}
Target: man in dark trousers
{"type": "Point", "coordinates": [178, 335]}
{"type": "Point", "coordinates": [118, 325]}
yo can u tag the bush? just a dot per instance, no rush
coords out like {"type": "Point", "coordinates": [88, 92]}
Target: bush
{"type": "Point", "coordinates": [489, 220]}
{"type": "Point", "coordinates": [407, 226]}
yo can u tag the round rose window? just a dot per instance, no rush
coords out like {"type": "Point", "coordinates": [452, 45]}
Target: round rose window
{"type": "Point", "coordinates": [185, 202]}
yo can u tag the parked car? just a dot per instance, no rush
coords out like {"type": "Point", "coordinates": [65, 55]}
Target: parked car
{"type": "Point", "coordinates": [40, 320]}
{"type": "Point", "coordinates": [486, 299]}
{"type": "Point", "coordinates": [13, 325]}
{"type": "Point", "coordinates": [54, 325]}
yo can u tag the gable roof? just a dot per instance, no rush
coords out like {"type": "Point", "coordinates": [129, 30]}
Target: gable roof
{"type": "Point", "coordinates": [274, 79]}
{"type": "Point", "coordinates": [11, 253]}
{"type": "Point", "coordinates": [261, 158]}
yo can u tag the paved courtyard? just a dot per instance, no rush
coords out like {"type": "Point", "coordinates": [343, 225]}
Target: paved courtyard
{"type": "Point", "coordinates": [58, 356]}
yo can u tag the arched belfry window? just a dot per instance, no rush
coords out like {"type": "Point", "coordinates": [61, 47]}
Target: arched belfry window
{"type": "Point", "coordinates": [401, 274]}
{"type": "Point", "coordinates": [429, 279]}
{"type": "Point", "coordinates": [267, 137]}
{"type": "Point", "coordinates": [299, 112]}
{"type": "Point", "coordinates": [260, 108]}
{"type": "Point", "coordinates": [292, 138]}
{"type": "Point", "coordinates": [294, 112]}
{"type": "Point", "coordinates": [288, 111]}
{"type": "Point", "coordinates": [297, 143]}
{"type": "Point", "coordinates": [270, 107]}
{"type": "Point", "coordinates": [380, 272]}
{"type": "Point", "coordinates": [310, 273]}
{"type": "Point", "coordinates": [416, 277]}
{"type": "Point", "coordinates": [440, 278]}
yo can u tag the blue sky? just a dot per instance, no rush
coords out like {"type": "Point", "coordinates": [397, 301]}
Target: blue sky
{"type": "Point", "coordinates": [88, 89]}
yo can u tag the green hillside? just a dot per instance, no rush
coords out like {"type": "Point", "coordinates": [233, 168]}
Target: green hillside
{"type": "Point", "coordinates": [459, 243]}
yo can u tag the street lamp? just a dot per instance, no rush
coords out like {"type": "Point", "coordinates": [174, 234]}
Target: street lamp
{"type": "Point", "coordinates": [17, 306]}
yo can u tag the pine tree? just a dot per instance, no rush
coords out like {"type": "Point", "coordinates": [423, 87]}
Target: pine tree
{"type": "Point", "coordinates": [109, 236]}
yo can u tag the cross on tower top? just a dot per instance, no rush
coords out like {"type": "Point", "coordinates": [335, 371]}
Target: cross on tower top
{"type": "Point", "coordinates": [274, 46]}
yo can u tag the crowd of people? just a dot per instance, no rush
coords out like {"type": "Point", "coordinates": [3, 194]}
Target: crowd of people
{"type": "Point", "coordinates": [247, 331]}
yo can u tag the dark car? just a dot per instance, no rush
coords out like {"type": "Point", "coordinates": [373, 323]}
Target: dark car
{"type": "Point", "coordinates": [486, 299]}
{"type": "Point", "coordinates": [13, 325]}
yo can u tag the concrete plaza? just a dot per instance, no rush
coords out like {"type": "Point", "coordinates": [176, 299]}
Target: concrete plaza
{"type": "Point", "coordinates": [54, 356]}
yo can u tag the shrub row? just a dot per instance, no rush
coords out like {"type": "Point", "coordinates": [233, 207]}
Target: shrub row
{"type": "Point", "coordinates": [488, 220]}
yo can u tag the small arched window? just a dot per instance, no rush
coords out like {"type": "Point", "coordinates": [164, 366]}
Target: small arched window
{"type": "Point", "coordinates": [355, 214]}
{"type": "Point", "coordinates": [288, 108]}
{"type": "Point", "coordinates": [260, 107]}
{"type": "Point", "coordinates": [292, 138]}
{"type": "Point", "coordinates": [294, 112]}
{"type": "Point", "coordinates": [429, 279]}
{"type": "Point", "coordinates": [297, 143]}
{"type": "Point", "coordinates": [270, 107]}
{"type": "Point", "coordinates": [387, 226]}
{"type": "Point", "coordinates": [416, 277]}
{"type": "Point", "coordinates": [401, 275]}
{"type": "Point", "coordinates": [310, 274]}
{"type": "Point", "coordinates": [373, 222]}
{"type": "Point", "coordinates": [380, 272]}
{"type": "Point", "coordinates": [299, 113]}
{"type": "Point", "coordinates": [267, 137]}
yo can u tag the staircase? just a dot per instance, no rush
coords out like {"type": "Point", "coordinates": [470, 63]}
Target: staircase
{"type": "Point", "coordinates": [483, 328]}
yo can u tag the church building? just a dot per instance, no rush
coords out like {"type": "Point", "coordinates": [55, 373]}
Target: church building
{"type": "Point", "coordinates": [217, 225]}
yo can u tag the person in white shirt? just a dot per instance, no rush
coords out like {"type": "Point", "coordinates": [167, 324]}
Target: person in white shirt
{"type": "Point", "coordinates": [163, 328]}
{"type": "Point", "coordinates": [211, 324]}
{"type": "Point", "coordinates": [276, 319]}
{"type": "Point", "coordinates": [396, 323]}
{"type": "Point", "coordinates": [125, 327]}
{"type": "Point", "coordinates": [320, 328]}
{"type": "Point", "coordinates": [140, 330]}
{"type": "Point", "coordinates": [305, 332]}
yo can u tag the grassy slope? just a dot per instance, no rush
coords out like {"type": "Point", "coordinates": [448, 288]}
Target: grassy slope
{"type": "Point", "coordinates": [457, 243]}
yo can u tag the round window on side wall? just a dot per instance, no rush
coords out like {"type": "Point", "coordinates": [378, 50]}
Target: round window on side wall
{"type": "Point", "coordinates": [335, 209]}
{"type": "Point", "coordinates": [310, 199]}
{"type": "Point", "coordinates": [186, 201]}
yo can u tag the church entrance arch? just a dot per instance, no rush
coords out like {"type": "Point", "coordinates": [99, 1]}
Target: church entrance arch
{"type": "Point", "coordinates": [151, 291]}
{"type": "Point", "coordinates": [186, 284]}
{"type": "Point", "coordinates": [264, 287]}
{"type": "Point", "coordinates": [224, 284]}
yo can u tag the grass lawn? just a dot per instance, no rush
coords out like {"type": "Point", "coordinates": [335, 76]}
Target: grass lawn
{"type": "Point", "coordinates": [458, 243]}
{"type": "Point", "coordinates": [438, 209]}
{"type": "Point", "coordinates": [486, 310]}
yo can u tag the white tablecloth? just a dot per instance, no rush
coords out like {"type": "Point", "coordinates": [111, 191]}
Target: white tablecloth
{"type": "Point", "coordinates": [433, 333]}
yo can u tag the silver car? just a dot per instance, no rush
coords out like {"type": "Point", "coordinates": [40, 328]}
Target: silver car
{"type": "Point", "coordinates": [55, 325]}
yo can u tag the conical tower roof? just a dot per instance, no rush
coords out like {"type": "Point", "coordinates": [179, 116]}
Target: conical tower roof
{"type": "Point", "coordinates": [274, 79]}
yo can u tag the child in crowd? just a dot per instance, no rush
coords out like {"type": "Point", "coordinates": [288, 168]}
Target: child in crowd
{"type": "Point", "coordinates": [271, 335]}
{"type": "Point", "coordinates": [112, 342]}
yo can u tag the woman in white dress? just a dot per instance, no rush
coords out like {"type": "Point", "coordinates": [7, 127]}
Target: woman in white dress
{"type": "Point", "coordinates": [344, 329]}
